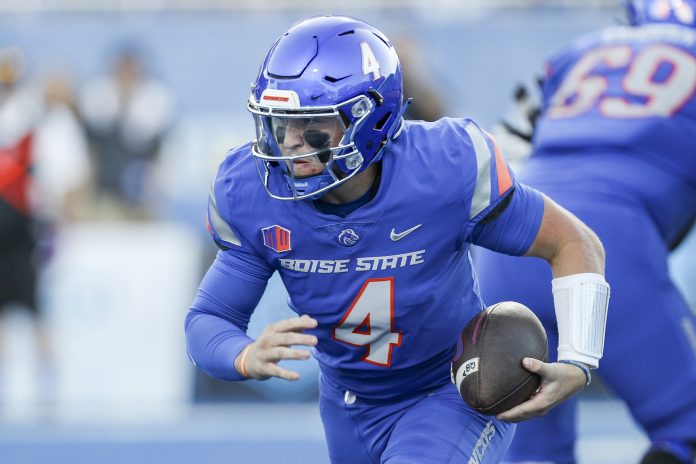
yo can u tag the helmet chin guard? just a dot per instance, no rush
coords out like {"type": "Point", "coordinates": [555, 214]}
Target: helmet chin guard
{"type": "Point", "coordinates": [332, 75]}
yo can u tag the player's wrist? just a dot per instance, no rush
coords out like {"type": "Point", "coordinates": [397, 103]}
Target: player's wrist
{"type": "Point", "coordinates": [240, 363]}
{"type": "Point", "coordinates": [581, 302]}
{"type": "Point", "coordinates": [580, 365]}
{"type": "Point", "coordinates": [590, 361]}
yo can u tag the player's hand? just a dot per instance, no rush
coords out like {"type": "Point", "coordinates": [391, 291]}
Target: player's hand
{"type": "Point", "coordinates": [558, 383]}
{"type": "Point", "coordinates": [273, 345]}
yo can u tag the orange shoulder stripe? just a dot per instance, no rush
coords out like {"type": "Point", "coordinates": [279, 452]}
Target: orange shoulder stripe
{"type": "Point", "coordinates": [501, 168]}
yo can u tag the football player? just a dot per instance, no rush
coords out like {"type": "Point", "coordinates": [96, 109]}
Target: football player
{"type": "Point", "coordinates": [368, 219]}
{"type": "Point", "coordinates": [615, 145]}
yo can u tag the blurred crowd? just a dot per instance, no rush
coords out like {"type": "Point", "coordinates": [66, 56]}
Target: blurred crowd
{"type": "Point", "coordinates": [69, 155]}
{"type": "Point", "coordinates": [88, 152]}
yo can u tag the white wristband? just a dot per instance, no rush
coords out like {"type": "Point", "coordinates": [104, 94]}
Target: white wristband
{"type": "Point", "coordinates": [581, 302]}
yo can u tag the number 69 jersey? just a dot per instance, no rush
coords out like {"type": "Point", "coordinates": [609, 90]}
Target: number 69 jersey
{"type": "Point", "coordinates": [620, 110]}
{"type": "Point", "coordinates": [391, 284]}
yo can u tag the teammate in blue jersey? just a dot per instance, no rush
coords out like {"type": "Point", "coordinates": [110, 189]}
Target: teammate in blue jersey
{"type": "Point", "coordinates": [615, 145]}
{"type": "Point", "coordinates": [368, 219]}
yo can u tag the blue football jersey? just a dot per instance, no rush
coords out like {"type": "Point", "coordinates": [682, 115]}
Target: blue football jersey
{"type": "Point", "coordinates": [391, 284]}
{"type": "Point", "coordinates": [620, 114]}
{"type": "Point", "coordinates": [615, 146]}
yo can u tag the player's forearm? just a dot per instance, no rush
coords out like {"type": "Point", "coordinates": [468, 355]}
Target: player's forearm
{"type": "Point", "coordinates": [217, 323]}
{"type": "Point", "coordinates": [580, 293]}
{"type": "Point", "coordinates": [214, 343]}
{"type": "Point", "coordinates": [581, 253]}
{"type": "Point", "coordinates": [567, 243]}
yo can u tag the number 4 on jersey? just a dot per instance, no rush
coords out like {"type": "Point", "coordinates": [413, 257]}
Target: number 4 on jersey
{"type": "Point", "coordinates": [369, 322]}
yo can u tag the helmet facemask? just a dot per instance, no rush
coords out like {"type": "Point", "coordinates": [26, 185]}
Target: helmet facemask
{"type": "Point", "coordinates": [314, 148]}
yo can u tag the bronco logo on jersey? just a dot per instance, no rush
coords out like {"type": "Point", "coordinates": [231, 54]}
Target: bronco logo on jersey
{"type": "Point", "coordinates": [276, 238]}
{"type": "Point", "coordinates": [348, 237]}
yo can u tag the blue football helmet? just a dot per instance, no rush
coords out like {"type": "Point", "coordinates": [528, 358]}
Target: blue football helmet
{"type": "Point", "coordinates": [326, 104]}
{"type": "Point", "coordinates": [681, 12]}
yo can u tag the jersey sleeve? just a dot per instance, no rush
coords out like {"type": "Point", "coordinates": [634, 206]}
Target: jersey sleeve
{"type": "Point", "coordinates": [220, 229]}
{"type": "Point", "coordinates": [494, 178]}
{"type": "Point", "coordinates": [504, 216]}
{"type": "Point", "coordinates": [512, 227]}
{"type": "Point", "coordinates": [217, 322]}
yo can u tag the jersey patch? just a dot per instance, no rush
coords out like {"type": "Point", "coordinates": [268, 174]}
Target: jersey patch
{"type": "Point", "coordinates": [276, 238]}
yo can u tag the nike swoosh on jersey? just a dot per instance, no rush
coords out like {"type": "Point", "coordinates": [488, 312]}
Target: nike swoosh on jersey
{"type": "Point", "coordinates": [398, 236]}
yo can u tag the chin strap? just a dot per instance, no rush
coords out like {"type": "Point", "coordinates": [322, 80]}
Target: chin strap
{"type": "Point", "coordinates": [396, 128]}
{"type": "Point", "coordinates": [394, 131]}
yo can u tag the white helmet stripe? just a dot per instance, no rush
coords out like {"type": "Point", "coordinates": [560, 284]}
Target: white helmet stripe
{"type": "Point", "coordinates": [275, 98]}
{"type": "Point", "coordinates": [482, 193]}
{"type": "Point", "coordinates": [220, 226]}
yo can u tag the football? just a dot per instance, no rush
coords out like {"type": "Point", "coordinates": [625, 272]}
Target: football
{"type": "Point", "coordinates": [487, 368]}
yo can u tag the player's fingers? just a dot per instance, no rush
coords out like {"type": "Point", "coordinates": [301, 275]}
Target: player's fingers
{"type": "Point", "coordinates": [279, 353]}
{"type": "Point", "coordinates": [275, 370]}
{"type": "Point", "coordinates": [292, 338]}
{"type": "Point", "coordinates": [294, 324]}
{"type": "Point", "coordinates": [536, 366]}
{"type": "Point", "coordinates": [536, 406]}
